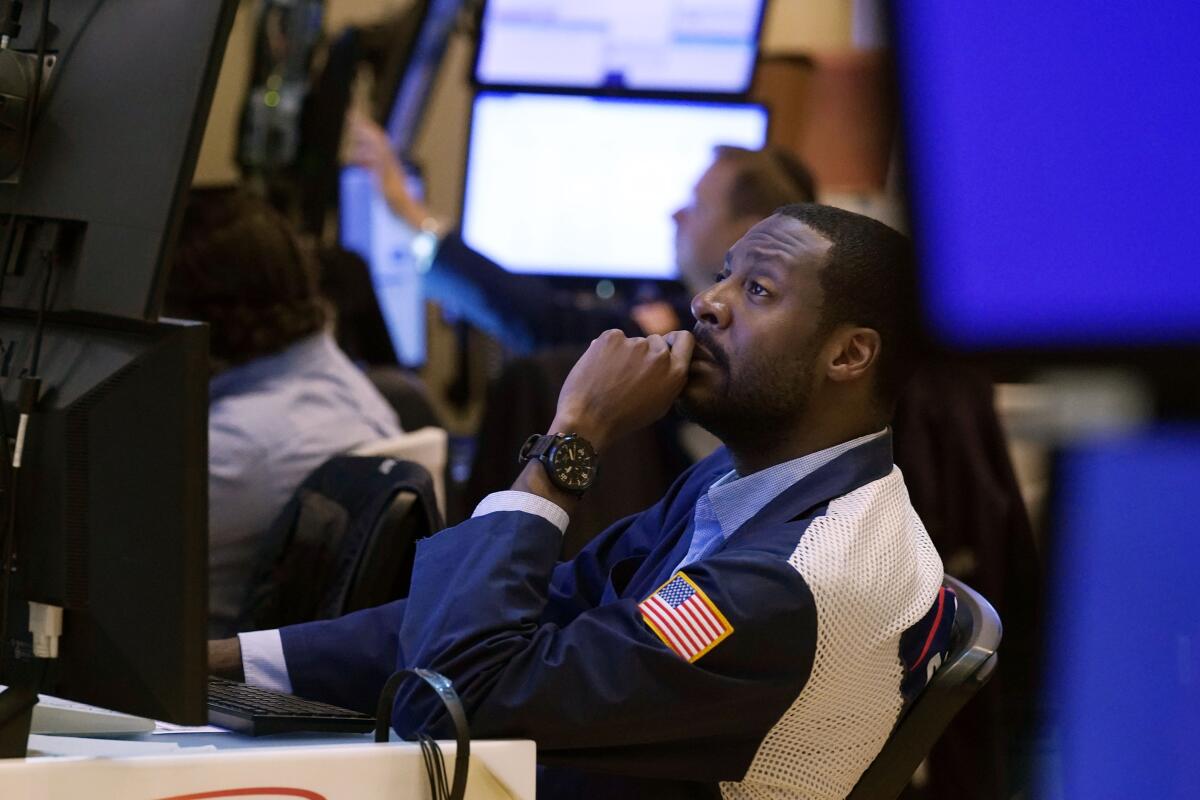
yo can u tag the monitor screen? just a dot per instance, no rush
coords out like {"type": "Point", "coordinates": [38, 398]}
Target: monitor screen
{"type": "Point", "coordinates": [705, 46]}
{"type": "Point", "coordinates": [370, 229]}
{"type": "Point", "coordinates": [1122, 678]}
{"type": "Point", "coordinates": [1053, 187]}
{"type": "Point", "coordinates": [581, 186]}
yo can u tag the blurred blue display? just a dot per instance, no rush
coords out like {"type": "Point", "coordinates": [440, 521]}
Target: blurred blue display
{"type": "Point", "coordinates": [1122, 681]}
{"type": "Point", "coordinates": [1054, 161]}
{"type": "Point", "coordinates": [370, 229]}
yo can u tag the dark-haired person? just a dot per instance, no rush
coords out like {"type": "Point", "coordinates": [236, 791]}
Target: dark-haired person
{"type": "Point", "coordinates": [283, 398]}
{"type": "Point", "coordinates": [758, 631]}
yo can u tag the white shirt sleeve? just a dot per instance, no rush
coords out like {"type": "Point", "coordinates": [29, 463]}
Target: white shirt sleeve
{"type": "Point", "coordinates": [263, 662]}
{"type": "Point", "coordinates": [523, 501]}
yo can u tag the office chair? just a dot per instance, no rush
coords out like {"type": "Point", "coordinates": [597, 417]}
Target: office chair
{"type": "Point", "coordinates": [968, 666]}
{"type": "Point", "coordinates": [426, 446]}
{"type": "Point", "coordinates": [345, 541]}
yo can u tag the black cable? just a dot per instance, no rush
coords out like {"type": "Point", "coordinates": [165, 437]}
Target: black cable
{"type": "Point", "coordinates": [31, 386]}
{"type": "Point", "coordinates": [435, 766]}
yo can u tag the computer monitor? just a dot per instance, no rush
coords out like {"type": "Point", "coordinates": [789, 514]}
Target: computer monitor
{"type": "Point", "coordinates": [115, 142]}
{"type": "Point", "coordinates": [108, 506]}
{"type": "Point", "coordinates": [370, 229]}
{"type": "Point", "coordinates": [584, 186]}
{"type": "Point", "coordinates": [1121, 698]}
{"type": "Point", "coordinates": [111, 509]}
{"type": "Point", "coordinates": [688, 46]}
{"type": "Point", "coordinates": [1052, 187]}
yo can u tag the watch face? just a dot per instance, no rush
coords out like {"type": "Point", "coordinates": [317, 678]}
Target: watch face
{"type": "Point", "coordinates": [574, 464]}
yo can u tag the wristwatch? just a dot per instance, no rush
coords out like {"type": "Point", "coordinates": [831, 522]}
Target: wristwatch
{"type": "Point", "coordinates": [569, 459]}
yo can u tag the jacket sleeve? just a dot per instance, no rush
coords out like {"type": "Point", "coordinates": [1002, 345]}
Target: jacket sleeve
{"type": "Point", "coordinates": [344, 661]}
{"type": "Point", "coordinates": [578, 584]}
{"type": "Point", "coordinates": [603, 691]}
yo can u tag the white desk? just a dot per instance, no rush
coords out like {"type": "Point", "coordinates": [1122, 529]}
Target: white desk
{"type": "Point", "coordinates": [338, 768]}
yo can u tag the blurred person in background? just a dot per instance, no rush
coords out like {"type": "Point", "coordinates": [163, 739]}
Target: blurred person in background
{"type": "Point", "coordinates": [283, 398]}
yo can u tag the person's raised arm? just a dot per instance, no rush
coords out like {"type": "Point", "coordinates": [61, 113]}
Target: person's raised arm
{"type": "Point", "coordinates": [370, 147]}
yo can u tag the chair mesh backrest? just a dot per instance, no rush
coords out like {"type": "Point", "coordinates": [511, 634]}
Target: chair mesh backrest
{"type": "Point", "coordinates": [969, 665]}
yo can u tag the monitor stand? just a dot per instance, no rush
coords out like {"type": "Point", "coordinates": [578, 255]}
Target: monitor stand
{"type": "Point", "coordinates": [16, 716]}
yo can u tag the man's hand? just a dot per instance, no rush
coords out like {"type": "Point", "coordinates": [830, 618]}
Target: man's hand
{"type": "Point", "coordinates": [621, 385]}
{"type": "Point", "coordinates": [225, 658]}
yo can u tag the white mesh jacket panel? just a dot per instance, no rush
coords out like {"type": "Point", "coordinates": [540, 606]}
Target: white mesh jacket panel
{"type": "Point", "coordinates": [873, 574]}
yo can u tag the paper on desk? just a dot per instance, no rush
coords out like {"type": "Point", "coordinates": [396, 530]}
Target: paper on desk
{"type": "Point", "coordinates": [170, 727]}
{"type": "Point", "coordinates": [40, 745]}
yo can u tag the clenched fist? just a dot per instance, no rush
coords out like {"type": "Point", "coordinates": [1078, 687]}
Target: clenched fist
{"type": "Point", "coordinates": [621, 385]}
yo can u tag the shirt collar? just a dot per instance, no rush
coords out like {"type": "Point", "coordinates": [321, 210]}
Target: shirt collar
{"type": "Point", "coordinates": [734, 499]}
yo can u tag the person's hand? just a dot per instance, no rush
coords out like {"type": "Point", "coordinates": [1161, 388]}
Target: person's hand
{"type": "Point", "coordinates": [225, 658]}
{"type": "Point", "coordinates": [369, 147]}
{"type": "Point", "coordinates": [621, 385]}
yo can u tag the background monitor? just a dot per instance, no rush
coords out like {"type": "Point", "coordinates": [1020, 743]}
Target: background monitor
{"type": "Point", "coordinates": [114, 145]}
{"type": "Point", "coordinates": [1122, 676]}
{"type": "Point", "coordinates": [1053, 185]}
{"type": "Point", "coordinates": [369, 228]}
{"type": "Point", "coordinates": [583, 186]}
{"type": "Point", "coordinates": [703, 46]}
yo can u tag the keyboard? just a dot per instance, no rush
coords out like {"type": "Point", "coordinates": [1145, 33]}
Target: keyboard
{"type": "Point", "coordinates": [262, 712]}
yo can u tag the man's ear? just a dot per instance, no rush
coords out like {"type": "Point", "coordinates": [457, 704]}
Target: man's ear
{"type": "Point", "coordinates": [852, 353]}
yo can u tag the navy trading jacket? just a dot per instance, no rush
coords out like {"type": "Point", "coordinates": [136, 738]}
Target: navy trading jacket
{"type": "Point", "coordinates": [776, 666]}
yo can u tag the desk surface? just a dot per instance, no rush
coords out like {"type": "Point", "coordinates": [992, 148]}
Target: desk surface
{"type": "Point", "coordinates": [310, 766]}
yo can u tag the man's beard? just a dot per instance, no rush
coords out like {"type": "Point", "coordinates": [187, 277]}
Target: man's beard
{"type": "Point", "coordinates": [754, 404]}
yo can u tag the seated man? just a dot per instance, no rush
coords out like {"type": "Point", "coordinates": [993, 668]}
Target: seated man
{"type": "Point", "coordinates": [759, 630]}
{"type": "Point", "coordinates": [283, 398]}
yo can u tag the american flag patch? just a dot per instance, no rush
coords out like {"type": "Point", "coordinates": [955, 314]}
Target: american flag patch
{"type": "Point", "coordinates": [684, 618]}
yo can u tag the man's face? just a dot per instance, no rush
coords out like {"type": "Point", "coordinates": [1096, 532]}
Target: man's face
{"type": "Point", "coordinates": [706, 228]}
{"type": "Point", "coordinates": [758, 332]}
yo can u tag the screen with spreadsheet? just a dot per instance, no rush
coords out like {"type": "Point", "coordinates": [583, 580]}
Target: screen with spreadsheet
{"type": "Point", "coordinates": [705, 46]}
{"type": "Point", "coordinates": [583, 186]}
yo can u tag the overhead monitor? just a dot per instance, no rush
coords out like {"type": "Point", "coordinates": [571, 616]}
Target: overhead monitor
{"type": "Point", "coordinates": [1053, 188]}
{"type": "Point", "coordinates": [370, 229]}
{"type": "Point", "coordinates": [703, 46]}
{"type": "Point", "coordinates": [582, 186]}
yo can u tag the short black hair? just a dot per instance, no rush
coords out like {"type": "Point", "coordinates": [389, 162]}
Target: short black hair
{"type": "Point", "coordinates": [239, 266]}
{"type": "Point", "coordinates": [868, 279]}
{"type": "Point", "coordinates": [765, 180]}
